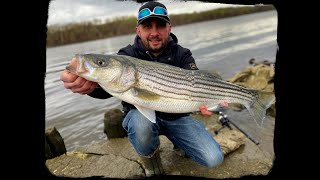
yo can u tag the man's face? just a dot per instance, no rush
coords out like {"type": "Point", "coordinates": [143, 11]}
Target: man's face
{"type": "Point", "coordinates": [154, 34]}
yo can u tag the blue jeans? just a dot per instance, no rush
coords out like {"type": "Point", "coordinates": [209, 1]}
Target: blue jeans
{"type": "Point", "coordinates": [186, 133]}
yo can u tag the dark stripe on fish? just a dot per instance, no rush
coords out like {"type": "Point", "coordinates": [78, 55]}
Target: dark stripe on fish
{"type": "Point", "coordinates": [193, 93]}
{"type": "Point", "coordinates": [224, 89]}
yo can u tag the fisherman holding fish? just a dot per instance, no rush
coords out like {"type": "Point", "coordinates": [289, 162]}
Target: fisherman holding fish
{"type": "Point", "coordinates": [155, 42]}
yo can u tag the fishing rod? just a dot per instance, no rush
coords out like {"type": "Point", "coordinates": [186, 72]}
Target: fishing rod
{"type": "Point", "coordinates": [225, 122]}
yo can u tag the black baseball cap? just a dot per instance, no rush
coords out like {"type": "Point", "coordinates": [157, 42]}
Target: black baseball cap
{"type": "Point", "coordinates": [151, 5]}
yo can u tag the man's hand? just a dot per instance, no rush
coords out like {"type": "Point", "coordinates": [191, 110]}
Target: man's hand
{"type": "Point", "coordinates": [75, 83]}
{"type": "Point", "coordinates": [204, 111]}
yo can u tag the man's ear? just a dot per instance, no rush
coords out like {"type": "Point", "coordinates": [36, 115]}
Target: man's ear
{"type": "Point", "coordinates": [138, 31]}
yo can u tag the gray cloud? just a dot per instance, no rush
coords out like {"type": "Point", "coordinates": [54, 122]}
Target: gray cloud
{"type": "Point", "coordinates": [69, 11]}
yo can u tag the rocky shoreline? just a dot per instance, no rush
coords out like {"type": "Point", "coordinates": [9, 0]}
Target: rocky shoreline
{"type": "Point", "coordinates": [116, 158]}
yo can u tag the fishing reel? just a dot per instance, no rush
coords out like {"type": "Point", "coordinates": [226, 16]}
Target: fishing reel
{"type": "Point", "coordinates": [224, 121]}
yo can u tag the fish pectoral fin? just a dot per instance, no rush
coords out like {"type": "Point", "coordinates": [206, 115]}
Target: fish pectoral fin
{"type": "Point", "coordinates": [145, 94]}
{"type": "Point", "coordinates": [148, 113]}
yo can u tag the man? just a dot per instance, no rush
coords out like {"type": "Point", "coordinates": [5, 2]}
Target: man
{"type": "Point", "coordinates": [155, 42]}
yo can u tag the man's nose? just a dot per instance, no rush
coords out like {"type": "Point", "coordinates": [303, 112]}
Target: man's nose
{"type": "Point", "coordinates": [154, 30]}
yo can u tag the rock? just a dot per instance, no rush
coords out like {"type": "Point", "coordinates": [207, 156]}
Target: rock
{"type": "Point", "coordinates": [230, 140]}
{"type": "Point", "coordinates": [54, 144]}
{"type": "Point", "coordinates": [113, 124]}
{"type": "Point", "coordinates": [116, 158]}
{"type": "Point", "coordinates": [241, 76]}
{"type": "Point", "coordinates": [272, 111]}
{"type": "Point", "coordinates": [237, 106]}
{"type": "Point", "coordinates": [104, 165]}
{"type": "Point", "coordinates": [48, 153]}
{"type": "Point", "coordinates": [259, 77]}
{"type": "Point", "coordinates": [256, 77]}
{"type": "Point", "coordinates": [269, 88]}
{"type": "Point", "coordinates": [252, 61]}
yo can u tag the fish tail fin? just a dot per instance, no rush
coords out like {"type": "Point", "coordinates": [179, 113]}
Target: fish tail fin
{"type": "Point", "coordinates": [259, 107]}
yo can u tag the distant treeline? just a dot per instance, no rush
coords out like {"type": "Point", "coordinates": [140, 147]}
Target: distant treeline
{"type": "Point", "coordinates": [80, 32]}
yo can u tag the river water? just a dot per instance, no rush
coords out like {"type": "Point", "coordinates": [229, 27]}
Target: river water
{"type": "Point", "coordinates": [223, 45]}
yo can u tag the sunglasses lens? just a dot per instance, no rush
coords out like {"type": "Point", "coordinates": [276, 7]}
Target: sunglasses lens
{"type": "Point", "coordinates": [160, 11]}
{"type": "Point", "coordinates": [143, 13]}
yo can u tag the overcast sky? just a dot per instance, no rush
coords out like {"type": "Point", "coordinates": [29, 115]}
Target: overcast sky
{"type": "Point", "coordinates": [69, 11]}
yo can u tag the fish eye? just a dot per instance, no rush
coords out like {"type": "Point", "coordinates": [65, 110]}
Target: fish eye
{"type": "Point", "coordinates": [100, 62]}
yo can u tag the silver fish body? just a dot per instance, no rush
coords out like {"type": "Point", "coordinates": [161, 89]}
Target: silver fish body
{"type": "Point", "coordinates": [156, 86]}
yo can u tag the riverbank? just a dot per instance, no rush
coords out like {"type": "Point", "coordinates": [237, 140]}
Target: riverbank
{"type": "Point", "coordinates": [80, 32]}
{"type": "Point", "coordinates": [115, 158]}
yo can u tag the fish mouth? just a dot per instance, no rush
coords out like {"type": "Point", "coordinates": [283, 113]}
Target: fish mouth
{"type": "Point", "coordinates": [71, 69]}
{"type": "Point", "coordinates": [81, 67]}
{"type": "Point", "coordinates": [78, 67]}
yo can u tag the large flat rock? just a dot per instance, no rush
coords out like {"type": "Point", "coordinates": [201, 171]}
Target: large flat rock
{"type": "Point", "coordinates": [116, 158]}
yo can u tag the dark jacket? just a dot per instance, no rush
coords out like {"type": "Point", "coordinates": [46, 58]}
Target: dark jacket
{"type": "Point", "coordinates": [173, 54]}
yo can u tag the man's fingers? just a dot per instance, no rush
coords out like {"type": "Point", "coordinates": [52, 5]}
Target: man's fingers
{"type": "Point", "coordinates": [91, 88]}
{"type": "Point", "coordinates": [204, 111]}
{"type": "Point", "coordinates": [78, 83]}
{"type": "Point", "coordinates": [86, 88]}
{"type": "Point", "coordinates": [68, 77]}
{"type": "Point", "coordinates": [73, 62]}
{"type": "Point", "coordinates": [223, 104]}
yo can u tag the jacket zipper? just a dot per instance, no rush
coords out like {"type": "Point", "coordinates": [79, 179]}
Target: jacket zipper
{"type": "Point", "coordinates": [153, 59]}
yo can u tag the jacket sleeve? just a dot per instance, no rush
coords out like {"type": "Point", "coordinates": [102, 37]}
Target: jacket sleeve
{"type": "Point", "coordinates": [99, 93]}
{"type": "Point", "coordinates": [128, 50]}
{"type": "Point", "coordinates": [188, 61]}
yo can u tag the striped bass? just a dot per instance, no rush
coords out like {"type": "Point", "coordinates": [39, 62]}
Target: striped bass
{"type": "Point", "coordinates": [152, 86]}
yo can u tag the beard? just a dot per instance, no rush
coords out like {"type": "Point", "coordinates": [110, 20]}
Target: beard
{"type": "Point", "coordinates": [155, 48]}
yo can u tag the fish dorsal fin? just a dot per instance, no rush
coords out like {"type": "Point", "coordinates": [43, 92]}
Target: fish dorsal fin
{"type": "Point", "coordinates": [210, 74]}
{"type": "Point", "coordinates": [148, 113]}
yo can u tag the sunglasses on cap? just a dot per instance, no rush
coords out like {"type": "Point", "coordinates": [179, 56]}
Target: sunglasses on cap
{"type": "Point", "coordinates": [156, 11]}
